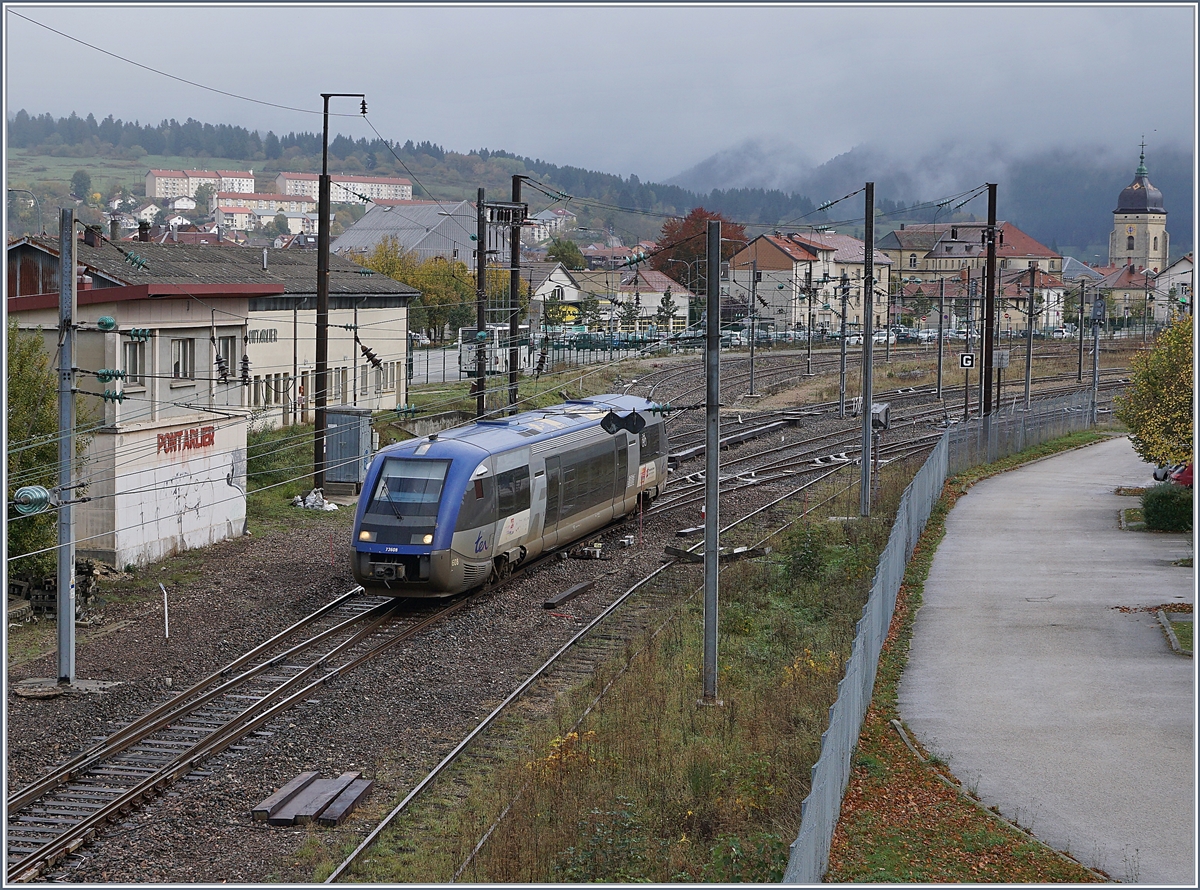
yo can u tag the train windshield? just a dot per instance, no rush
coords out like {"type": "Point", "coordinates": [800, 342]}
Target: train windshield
{"type": "Point", "coordinates": [408, 488]}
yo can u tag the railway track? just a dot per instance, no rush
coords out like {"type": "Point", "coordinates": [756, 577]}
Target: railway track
{"type": "Point", "coordinates": [69, 806]}
{"type": "Point", "coordinates": [606, 636]}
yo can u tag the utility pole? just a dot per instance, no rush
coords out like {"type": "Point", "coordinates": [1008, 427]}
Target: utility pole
{"type": "Point", "coordinates": [320, 384]}
{"type": "Point", "coordinates": [1095, 364]}
{"type": "Point", "coordinates": [941, 315]}
{"type": "Point", "coordinates": [1082, 286]}
{"type": "Point", "coordinates": [712, 460]}
{"type": "Point", "coordinates": [842, 373]}
{"type": "Point", "coordinates": [970, 343]}
{"type": "Point", "coordinates": [989, 308]}
{"type": "Point", "coordinates": [67, 303]}
{"type": "Point", "coordinates": [480, 305]}
{"type": "Point", "coordinates": [868, 316]}
{"type": "Point", "coordinates": [753, 313]}
{"type": "Point", "coordinates": [1029, 335]}
{"type": "Point", "coordinates": [808, 328]}
{"type": "Point", "coordinates": [514, 302]}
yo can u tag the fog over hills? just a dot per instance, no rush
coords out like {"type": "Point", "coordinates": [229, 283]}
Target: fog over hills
{"type": "Point", "coordinates": [1060, 196]}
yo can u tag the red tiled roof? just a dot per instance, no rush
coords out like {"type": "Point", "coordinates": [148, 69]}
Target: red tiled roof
{"type": "Point", "coordinates": [176, 174]}
{"type": "Point", "coordinates": [240, 174]}
{"type": "Point", "coordinates": [342, 177]}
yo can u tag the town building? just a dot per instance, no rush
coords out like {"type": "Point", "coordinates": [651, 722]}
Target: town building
{"type": "Point", "coordinates": [173, 183]}
{"type": "Point", "coordinates": [547, 224]}
{"type": "Point", "coordinates": [210, 339]}
{"type": "Point", "coordinates": [794, 276]}
{"type": "Point", "coordinates": [345, 189]}
{"type": "Point", "coordinates": [166, 465]}
{"type": "Point", "coordinates": [1139, 236]}
{"type": "Point", "coordinates": [260, 201]}
{"type": "Point", "coordinates": [942, 249]}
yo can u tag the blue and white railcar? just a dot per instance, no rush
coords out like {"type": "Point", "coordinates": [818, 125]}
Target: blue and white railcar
{"type": "Point", "coordinates": [451, 511]}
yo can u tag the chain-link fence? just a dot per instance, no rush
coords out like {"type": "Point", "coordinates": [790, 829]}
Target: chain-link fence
{"type": "Point", "coordinates": [964, 445]}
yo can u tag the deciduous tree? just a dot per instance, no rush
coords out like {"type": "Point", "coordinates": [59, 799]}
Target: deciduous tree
{"type": "Point", "coordinates": [567, 253]}
{"type": "Point", "coordinates": [31, 409]}
{"type": "Point", "coordinates": [1157, 407]}
{"type": "Point", "coordinates": [685, 241]}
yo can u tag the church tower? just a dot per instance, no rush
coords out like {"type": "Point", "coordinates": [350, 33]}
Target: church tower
{"type": "Point", "coordinates": [1139, 237]}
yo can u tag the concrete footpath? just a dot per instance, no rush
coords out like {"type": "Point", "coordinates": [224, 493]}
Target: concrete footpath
{"type": "Point", "coordinates": [1073, 718]}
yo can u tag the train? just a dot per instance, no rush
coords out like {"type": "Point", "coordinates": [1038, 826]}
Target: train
{"type": "Point", "coordinates": [455, 510]}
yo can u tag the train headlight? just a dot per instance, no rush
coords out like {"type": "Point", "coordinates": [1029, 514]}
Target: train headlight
{"type": "Point", "coordinates": [428, 539]}
{"type": "Point", "coordinates": [368, 537]}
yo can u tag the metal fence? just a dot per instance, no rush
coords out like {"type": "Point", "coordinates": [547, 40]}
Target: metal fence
{"type": "Point", "coordinates": [964, 445]}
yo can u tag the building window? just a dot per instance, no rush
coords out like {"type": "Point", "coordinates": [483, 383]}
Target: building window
{"type": "Point", "coordinates": [1129, 243]}
{"type": "Point", "coordinates": [183, 359]}
{"type": "Point", "coordinates": [135, 364]}
{"type": "Point", "coordinates": [1156, 242]}
{"type": "Point", "coordinates": [363, 379]}
{"type": "Point", "coordinates": [226, 347]}
{"type": "Point", "coordinates": [912, 261]}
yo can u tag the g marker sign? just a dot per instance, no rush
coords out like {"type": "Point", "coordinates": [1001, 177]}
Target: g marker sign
{"type": "Point", "coordinates": [966, 359]}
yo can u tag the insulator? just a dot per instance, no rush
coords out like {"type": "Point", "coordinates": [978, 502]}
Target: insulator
{"type": "Point", "coordinates": [31, 499]}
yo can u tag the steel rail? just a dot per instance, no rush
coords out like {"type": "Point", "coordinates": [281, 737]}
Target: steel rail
{"type": "Point", "coordinates": [169, 710]}
{"type": "Point", "coordinates": [252, 717]}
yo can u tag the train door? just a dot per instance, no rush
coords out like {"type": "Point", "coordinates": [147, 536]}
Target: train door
{"type": "Point", "coordinates": [550, 528]}
{"type": "Point", "coordinates": [621, 480]}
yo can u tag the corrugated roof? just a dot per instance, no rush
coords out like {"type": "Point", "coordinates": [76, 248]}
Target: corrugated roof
{"type": "Point", "coordinates": [185, 264]}
{"type": "Point", "coordinates": [426, 227]}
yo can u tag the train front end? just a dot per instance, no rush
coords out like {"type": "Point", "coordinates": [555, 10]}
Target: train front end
{"type": "Point", "coordinates": [403, 537]}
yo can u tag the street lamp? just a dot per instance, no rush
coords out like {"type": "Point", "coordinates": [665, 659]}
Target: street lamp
{"type": "Point", "coordinates": [36, 203]}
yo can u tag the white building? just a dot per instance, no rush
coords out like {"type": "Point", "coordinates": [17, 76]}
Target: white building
{"type": "Point", "coordinates": [173, 183]}
{"type": "Point", "coordinates": [345, 189]}
{"type": "Point", "coordinates": [242, 218]}
{"type": "Point", "coordinates": [260, 201]}
{"type": "Point", "coordinates": [166, 467]}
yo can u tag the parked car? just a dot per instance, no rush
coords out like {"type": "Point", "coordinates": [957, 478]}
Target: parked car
{"type": "Point", "coordinates": [1183, 475]}
{"type": "Point", "coordinates": [1060, 334]}
{"type": "Point", "coordinates": [854, 339]}
{"type": "Point", "coordinates": [927, 335]}
{"type": "Point", "coordinates": [888, 337]}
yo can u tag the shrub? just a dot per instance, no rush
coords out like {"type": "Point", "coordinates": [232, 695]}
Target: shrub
{"type": "Point", "coordinates": [1168, 508]}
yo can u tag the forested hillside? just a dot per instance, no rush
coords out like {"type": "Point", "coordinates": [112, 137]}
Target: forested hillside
{"type": "Point", "coordinates": [1063, 200]}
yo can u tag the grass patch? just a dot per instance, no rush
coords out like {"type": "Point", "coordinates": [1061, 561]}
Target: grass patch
{"type": "Point", "coordinates": [1134, 518]}
{"type": "Point", "coordinates": [1183, 633]}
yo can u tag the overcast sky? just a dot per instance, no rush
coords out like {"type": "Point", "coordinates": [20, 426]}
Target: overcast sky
{"type": "Point", "coordinates": [631, 89]}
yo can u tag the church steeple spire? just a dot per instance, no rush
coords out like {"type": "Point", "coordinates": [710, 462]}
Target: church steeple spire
{"type": "Point", "coordinates": [1141, 170]}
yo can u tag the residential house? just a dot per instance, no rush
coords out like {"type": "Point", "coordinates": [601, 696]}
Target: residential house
{"type": "Point", "coordinates": [628, 300]}
{"type": "Point", "coordinates": [241, 218]}
{"type": "Point", "coordinates": [147, 212]}
{"type": "Point", "coordinates": [1172, 287]}
{"type": "Point", "coordinates": [182, 203]}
